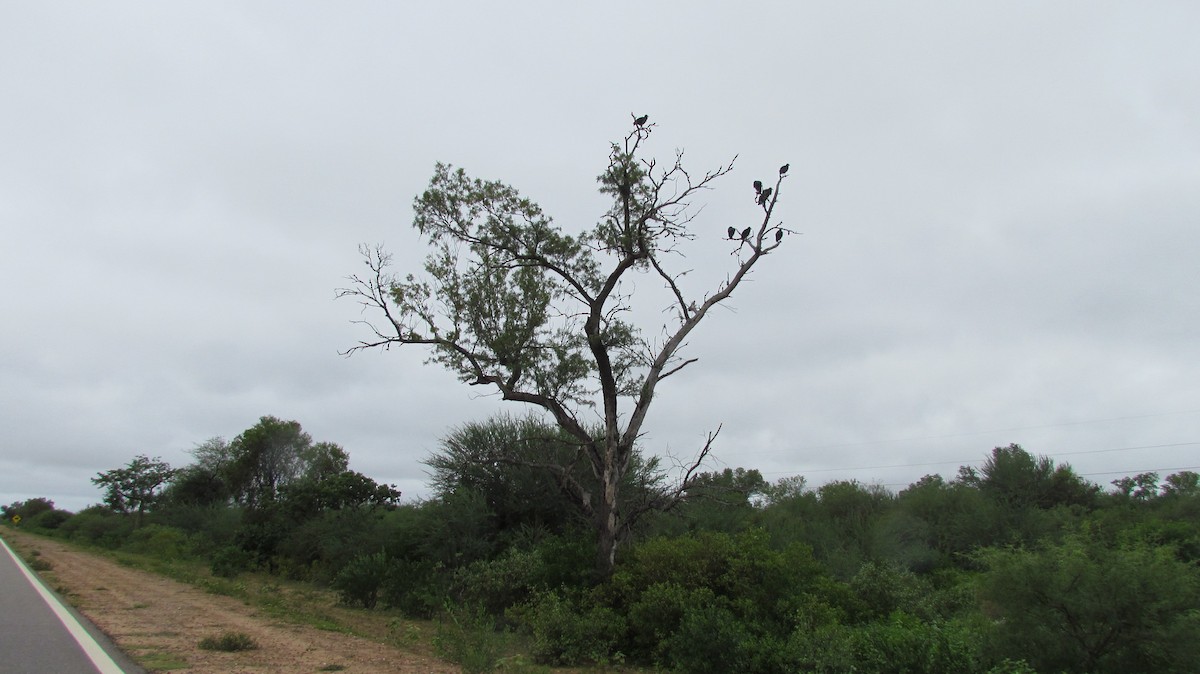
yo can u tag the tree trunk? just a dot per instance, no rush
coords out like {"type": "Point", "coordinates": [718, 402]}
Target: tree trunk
{"type": "Point", "coordinates": [607, 526]}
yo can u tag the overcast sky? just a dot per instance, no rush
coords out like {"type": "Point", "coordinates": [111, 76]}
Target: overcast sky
{"type": "Point", "coordinates": [999, 204]}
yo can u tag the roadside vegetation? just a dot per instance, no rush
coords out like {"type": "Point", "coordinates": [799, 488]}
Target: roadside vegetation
{"type": "Point", "coordinates": [1017, 566]}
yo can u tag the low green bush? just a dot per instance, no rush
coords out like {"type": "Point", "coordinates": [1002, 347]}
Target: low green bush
{"type": "Point", "coordinates": [229, 642]}
{"type": "Point", "coordinates": [570, 632]}
{"type": "Point", "coordinates": [98, 525]}
{"type": "Point", "coordinates": [419, 589]}
{"type": "Point", "coordinates": [468, 636]}
{"type": "Point", "coordinates": [49, 520]}
{"type": "Point", "coordinates": [358, 583]}
{"type": "Point", "coordinates": [657, 615]}
{"type": "Point", "coordinates": [230, 561]}
{"type": "Point", "coordinates": [156, 540]}
{"type": "Point", "coordinates": [710, 640]}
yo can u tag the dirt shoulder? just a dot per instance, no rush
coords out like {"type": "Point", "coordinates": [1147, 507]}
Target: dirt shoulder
{"type": "Point", "coordinates": [160, 622]}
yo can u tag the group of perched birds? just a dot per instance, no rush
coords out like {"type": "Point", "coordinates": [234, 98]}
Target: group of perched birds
{"type": "Point", "coordinates": [761, 195]}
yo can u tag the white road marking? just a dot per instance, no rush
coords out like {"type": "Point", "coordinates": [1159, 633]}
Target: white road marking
{"type": "Point", "coordinates": [103, 663]}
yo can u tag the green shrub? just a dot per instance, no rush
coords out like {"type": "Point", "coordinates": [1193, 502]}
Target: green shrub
{"type": "Point", "coordinates": [567, 632]}
{"type": "Point", "coordinates": [230, 561]}
{"type": "Point", "coordinates": [210, 528]}
{"type": "Point", "coordinates": [158, 541]}
{"type": "Point", "coordinates": [498, 583]}
{"type": "Point", "coordinates": [1012, 667]}
{"type": "Point", "coordinates": [657, 615]}
{"type": "Point", "coordinates": [229, 642]}
{"type": "Point", "coordinates": [468, 636]}
{"type": "Point", "coordinates": [419, 589]}
{"type": "Point", "coordinates": [98, 525]}
{"type": "Point", "coordinates": [360, 580]}
{"type": "Point", "coordinates": [900, 644]}
{"type": "Point", "coordinates": [710, 640]}
{"type": "Point", "coordinates": [1084, 605]}
{"type": "Point", "coordinates": [884, 589]}
{"type": "Point", "coordinates": [49, 519]}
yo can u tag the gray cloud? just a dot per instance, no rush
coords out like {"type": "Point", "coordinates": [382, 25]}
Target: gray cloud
{"type": "Point", "coordinates": [998, 206]}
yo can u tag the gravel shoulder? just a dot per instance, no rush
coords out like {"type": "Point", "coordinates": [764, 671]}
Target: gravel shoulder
{"type": "Point", "coordinates": [160, 622]}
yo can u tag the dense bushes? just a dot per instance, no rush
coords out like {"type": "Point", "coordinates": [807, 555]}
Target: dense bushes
{"type": "Point", "coordinates": [1085, 605]}
{"type": "Point", "coordinates": [1015, 569]}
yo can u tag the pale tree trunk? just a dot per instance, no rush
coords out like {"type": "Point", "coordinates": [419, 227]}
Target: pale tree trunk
{"type": "Point", "coordinates": [608, 528]}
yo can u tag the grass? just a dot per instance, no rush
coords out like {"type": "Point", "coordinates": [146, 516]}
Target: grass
{"type": "Point", "coordinates": [161, 661]}
{"type": "Point", "coordinates": [35, 561]}
{"type": "Point", "coordinates": [229, 642]}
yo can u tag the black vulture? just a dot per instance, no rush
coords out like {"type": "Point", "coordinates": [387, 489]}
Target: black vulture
{"type": "Point", "coordinates": [641, 120]}
{"type": "Point", "coordinates": [784, 169]}
{"type": "Point", "coordinates": [758, 187]}
{"type": "Point", "coordinates": [745, 234]}
{"type": "Point", "coordinates": [732, 232]}
{"type": "Point", "coordinates": [778, 235]}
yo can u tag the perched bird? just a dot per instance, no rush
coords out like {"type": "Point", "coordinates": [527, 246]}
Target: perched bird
{"type": "Point", "coordinates": [762, 198]}
{"type": "Point", "coordinates": [640, 121]}
{"type": "Point", "coordinates": [745, 234]}
{"type": "Point", "coordinates": [758, 187]}
{"type": "Point", "coordinates": [778, 235]}
{"type": "Point", "coordinates": [784, 169]}
{"type": "Point", "coordinates": [732, 232]}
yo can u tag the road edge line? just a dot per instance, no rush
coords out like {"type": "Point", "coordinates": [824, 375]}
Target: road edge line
{"type": "Point", "coordinates": [100, 659]}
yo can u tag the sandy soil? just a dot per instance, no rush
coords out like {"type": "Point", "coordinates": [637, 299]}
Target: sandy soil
{"type": "Point", "coordinates": [160, 622]}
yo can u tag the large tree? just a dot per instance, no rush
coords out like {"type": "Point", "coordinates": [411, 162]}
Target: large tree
{"type": "Point", "coordinates": [135, 487]}
{"type": "Point", "coordinates": [269, 455]}
{"type": "Point", "coordinates": [512, 302]}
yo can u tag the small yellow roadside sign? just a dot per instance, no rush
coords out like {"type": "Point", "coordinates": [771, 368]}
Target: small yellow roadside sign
{"type": "Point", "coordinates": [16, 519]}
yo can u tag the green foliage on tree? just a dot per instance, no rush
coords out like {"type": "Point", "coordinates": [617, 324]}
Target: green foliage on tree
{"type": "Point", "coordinates": [726, 500]}
{"type": "Point", "coordinates": [1085, 605]}
{"type": "Point", "coordinates": [28, 508]}
{"type": "Point", "coordinates": [513, 302]}
{"type": "Point", "coordinates": [265, 457]}
{"type": "Point", "coordinates": [1018, 480]}
{"type": "Point", "coordinates": [1184, 484]}
{"type": "Point", "coordinates": [135, 487]}
{"type": "Point", "coordinates": [502, 461]}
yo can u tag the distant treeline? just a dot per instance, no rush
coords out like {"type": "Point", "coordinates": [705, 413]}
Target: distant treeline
{"type": "Point", "coordinates": [1020, 565]}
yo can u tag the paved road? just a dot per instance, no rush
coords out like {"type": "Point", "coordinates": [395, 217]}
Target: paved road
{"type": "Point", "coordinates": [38, 635]}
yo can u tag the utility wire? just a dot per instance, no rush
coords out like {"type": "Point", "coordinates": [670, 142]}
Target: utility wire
{"type": "Point", "coordinates": [1083, 422]}
{"type": "Point", "coordinates": [965, 462]}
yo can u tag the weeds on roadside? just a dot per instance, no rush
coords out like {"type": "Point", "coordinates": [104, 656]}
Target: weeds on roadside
{"type": "Point", "coordinates": [229, 642]}
{"type": "Point", "coordinates": [468, 636]}
{"type": "Point", "coordinates": [35, 561]}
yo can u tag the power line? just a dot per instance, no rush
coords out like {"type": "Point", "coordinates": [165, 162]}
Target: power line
{"type": "Point", "coordinates": [1144, 470]}
{"type": "Point", "coordinates": [966, 462]}
{"type": "Point", "coordinates": [1082, 422]}
{"type": "Point", "coordinates": [1111, 472]}
{"type": "Point", "coordinates": [1122, 449]}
